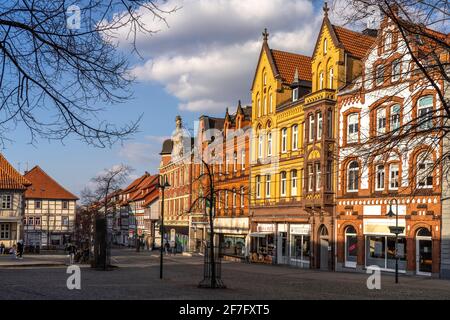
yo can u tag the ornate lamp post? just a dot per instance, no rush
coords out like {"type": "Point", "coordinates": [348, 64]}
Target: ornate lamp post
{"type": "Point", "coordinates": [395, 230]}
{"type": "Point", "coordinates": [162, 184]}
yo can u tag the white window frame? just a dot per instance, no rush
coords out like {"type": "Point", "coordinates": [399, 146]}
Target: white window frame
{"type": "Point", "coordinates": [269, 144]}
{"type": "Point", "coordinates": [321, 80]}
{"type": "Point", "coordinates": [5, 229]}
{"type": "Point", "coordinates": [258, 187]}
{"type": "Point", "coordinates": [7, 200]}
{"type": "Point", "coordinates": [268, 185]}
{"type": "Point", "coordinates": [294, 183]}
{"type": "Point", "coordinates": [260, 146]}
{"type": "Point", "coordinates": [235, 162]}
{"type": "Point", "coordinates": [354, 173]}
{"type": "Point", "coordinates": [310, 178]}
{"type": "Point", "coordinates": [379, 177]}
{"type": "Point", "coordinates": [295, 137]}
{"type": "Point", "coordinates": [395, 117]}
{"type": "Point", "coordinates": [318, 173]}
{"type": "Point", "coordinates": [283, 183]}
{"type": "Point", "coordinates": [226, 200]}
{"type": "Point", "coordinates": [428, 165]}
{"type": "Point", "coordinates": [243, 160]}
{"type": "Point", "coordinates": [234, 198]}
{"type": "Point", "coordinates": [396, 69]}
{"type": "Point", "coordinates": [242, 196]}
{"type": "Point", "coordinates": [381, 119]}
{"type": "Point", "coordinates": [427, 111]}
{"type": "Point", "coordinates": [319, 125]}
{"type": "Point", "coordinates": [311, 128]}
{"type": "Point", "coordinates": [394, 179]}
{"type": "Point", "coordinates": [331, 76]}
{"type": "Point", "coordinates": [295, 94]}
{"type": "Point", "coordinates": [352, 127]}
{"type": "Point", "coordinates": [284, 140]}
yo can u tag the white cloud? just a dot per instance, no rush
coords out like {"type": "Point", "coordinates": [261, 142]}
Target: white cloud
{"type": "Point", "coordinates": [143, 153]}
{"type": "Point", "coordinates": [208, 55]}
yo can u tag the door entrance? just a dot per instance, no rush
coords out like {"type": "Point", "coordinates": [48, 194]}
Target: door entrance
{"type": "Point", "coordinates": [324, 245]}
{"type": "Point", "coordinates": [424, 252]}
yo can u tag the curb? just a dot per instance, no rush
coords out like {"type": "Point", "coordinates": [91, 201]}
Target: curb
{"type": "Point", "coordinates": [13, 266]}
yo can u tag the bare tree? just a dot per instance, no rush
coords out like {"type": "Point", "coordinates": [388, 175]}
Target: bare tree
{"type": "Point", "coordinates": [58, 62]}
{"type": "Point", "coordinates": [415, 58]}
{"type": "Point", "coordinates": [99, 199]}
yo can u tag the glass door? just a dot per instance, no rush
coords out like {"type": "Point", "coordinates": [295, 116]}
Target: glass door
{"type": "Point", "coordinates": [424, 256]}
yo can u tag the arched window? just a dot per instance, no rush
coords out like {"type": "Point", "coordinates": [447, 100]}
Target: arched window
{"type": "Point", "coordinates": [425, 112]}
{"type": "Point", "coordinates": [381, 121]}
{"type": "Point", "coordinates": [395, 117]}
{"type": "Point", "coordinates": [423, 232]}
{"type": "Point", "coordinates": [265, 78]}
{"type": "Point", "coordinates": [321, 80]}
{"type": "Point", "coordinates": [352, 127]}
{"type": "Point", "coordinates": [294, 137]}
{"type": "Point", "coordinates": [234, 198]}
{"type": "Point", "coordinates": [271, 103]}
{"type": "Point", "coordinates": [235, 161]}
{"type": "Point", "coordinates": [283, 183]}
{"type": "Point", "coordinates": [425, 167]}
{"type": "Point", "coordinates": [258, 105]}
{"type": "Point", "coordinates": [331, 78]}
{"type": "Point", "coordinates": [258, 187]}
{"type": "Point", "coordinates": [351, 247]}
{"type": "Point", "coordinates": [242, 197]}
{"type": "Point", "coordinates": [265, 104]}
{"type": "Point", "coordinates": [325, 46]}
{"type": "Point", "coordinates": [353, 177]}
{"type": "Point", "coordinates": [293, 183]}
{"type": "Point", "coordinates": [379, 179]}
{"type": "Point", "coordinates": [260, 146]}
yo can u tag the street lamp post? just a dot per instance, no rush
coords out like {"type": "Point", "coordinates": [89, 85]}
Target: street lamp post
{"type": "Point", "coordinates": [395, 230]}
{"type": "Point", "coordinates": [162, 185]}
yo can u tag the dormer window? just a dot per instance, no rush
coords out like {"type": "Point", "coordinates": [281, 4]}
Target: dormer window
{"type": "Point", "coordinates": [295, 93]}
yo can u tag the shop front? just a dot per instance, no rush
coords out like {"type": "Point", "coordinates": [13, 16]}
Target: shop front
{"type": "Point", "coordinates": [262, 243]}
{"type": "Point", "coordinates": [300, 245]}
{"type": "Point", "coordinates": [177, 236]}
{"type": "Point", "coordinates": [232, 236]}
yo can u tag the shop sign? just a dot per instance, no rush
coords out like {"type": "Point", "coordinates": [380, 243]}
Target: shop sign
{"type": "Point", "coordinates": [381, 226]}
{"type": "Point", "coordinates": [264, 227]}
{"type": "Point", "coordinates": [300, 228]}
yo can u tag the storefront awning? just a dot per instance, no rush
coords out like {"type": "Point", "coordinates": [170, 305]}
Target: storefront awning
{"type": "Point", "coordinates": [260, 234]}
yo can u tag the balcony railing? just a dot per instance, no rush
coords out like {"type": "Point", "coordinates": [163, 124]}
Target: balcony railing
{"type": "Point", "coordinates": [324, 94]}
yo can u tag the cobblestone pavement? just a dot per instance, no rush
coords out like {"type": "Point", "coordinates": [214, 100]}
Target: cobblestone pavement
{"type": "Point", "coordinates": [137, 277]}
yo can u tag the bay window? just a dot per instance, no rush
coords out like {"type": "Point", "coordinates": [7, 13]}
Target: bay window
{"type": "Point", "coordinates": [319, 125]}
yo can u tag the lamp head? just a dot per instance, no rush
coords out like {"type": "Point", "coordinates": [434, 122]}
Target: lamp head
{"type": "Point", "coordinates": [391, 213]}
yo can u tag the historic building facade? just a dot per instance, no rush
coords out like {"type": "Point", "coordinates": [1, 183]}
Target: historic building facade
{"type": "Point", "coordinates": [385, 159]}
{"type": "Point", "coordinates": [279, 224]}
{"type": "Point", "coordinates": [336, 61]}
{"type": "Point", "coordinates": [50, 211]}
{"type": "Point", "coordinates": [12, 206]}
{"type": "Point", "coordinates": [176, 168]}
{"type": "Point", "coordinates": [231, 179]}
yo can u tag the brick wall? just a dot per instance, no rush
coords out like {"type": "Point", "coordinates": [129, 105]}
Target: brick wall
{"type": "Point", "coordinates": [445, 243]}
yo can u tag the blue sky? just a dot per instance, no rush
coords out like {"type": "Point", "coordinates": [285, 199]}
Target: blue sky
{"type": "Point", "coordinates": [201, 64]}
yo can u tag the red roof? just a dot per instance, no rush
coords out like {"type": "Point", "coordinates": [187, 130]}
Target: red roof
{"type": "Point", "coordinates": [287, 64]}
{"type": "Point", "coordinates": [357, 44]}
{"type": "Point", "coordinates": [45, 187]}
{"type": "Point", "coordinates": [10, 178]}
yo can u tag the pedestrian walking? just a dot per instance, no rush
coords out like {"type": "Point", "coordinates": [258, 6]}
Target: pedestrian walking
{"type": "Point", "coordinates": [72, 251]}
{"type": "Point", "coordinates": [2, 248]}
{"type": "Point", "coordinates": [20, 248]}
{"type": "Point", "coordinates": [167, 247]}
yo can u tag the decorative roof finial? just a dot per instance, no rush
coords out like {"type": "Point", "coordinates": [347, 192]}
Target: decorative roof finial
{"type": "Point", "coordinates": [265, 35]}
{"type": "Point", "coordinates": [296, 76]}
{"type": "Point", "coordinates": [326, 9]}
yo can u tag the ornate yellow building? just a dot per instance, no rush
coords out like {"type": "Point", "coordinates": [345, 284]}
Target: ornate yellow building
{"type": "Point", "coordinates": [281, 81]}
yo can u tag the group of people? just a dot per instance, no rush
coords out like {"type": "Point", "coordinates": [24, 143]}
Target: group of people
{"type": "Point", "coordinates": [170, 247]}
{"type": "Point", "coordinates": [16, 251]}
